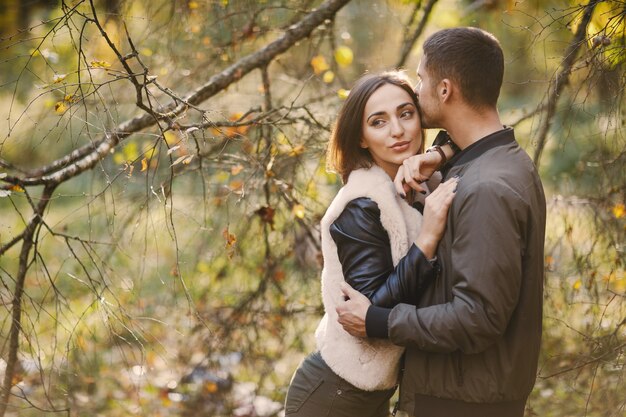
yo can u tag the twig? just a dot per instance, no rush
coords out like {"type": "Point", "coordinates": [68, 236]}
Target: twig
{"type": "Point", "coordinates": [408, 44]}
{"type": "Point", "coordinates": [259, 59]}
{"type": "Point", "coordinates": [562, 78]}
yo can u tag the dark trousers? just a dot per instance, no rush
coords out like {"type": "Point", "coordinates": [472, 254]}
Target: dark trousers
{"type": "Point", "coordinates": [316, 391]}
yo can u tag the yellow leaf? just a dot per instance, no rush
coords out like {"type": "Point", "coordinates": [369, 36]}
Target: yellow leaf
{"type": "Point", "coordinates": [171, 137]}
{"type": "Point", "coordinates": [236, 169]}
{"type": "Point", "coordinates": [203, 267]}
{"type": "Point", "coordinates": [231, 239]}
{"type": "Point", "coordinates": [222, 176]}
{"type": "Point", "coordinates": [311, 190]}
{"type": "Point", "coordinates": [146, 52]}
{"type": "Point", "coordinates": [131, 151]}
{"type": "Point", "coordinates": [619, 210]}
{"type": "Point", "coordinates": [298, 150]}
{"type": "Point", "coordinates": [343, 93]}
{"type": "Point", "coordinates": [328, 77]}
{"type": "Point", "coordinates": [298, 211]}
{"type": "Point", "coordinates": [17, 189]}
{"type": "Point", "coordinates": [344, 56]}
{"type": "Point", "coordinates": [57, 78]}
{"type": "Point", "coordinates": [100, 64]}
{"type": "Point", "coordinates": [319, 64]}
{"type": "Point", "coordinates": [236, 185]}
{"type": "Point", "coordinates": [80, 342]}
{"type": "Point", "coordinates": [118, 158]}
{"type": "Point", "coordinates": [577, 284]}
{"type": "Point", "coordinates": [192, 5]}
{"type": "Point", "coordinates": [70, 98]}
{"type": "Point", "coordinates": [144, 164]}
{"type": "Point", "coordinates": [60, 107]}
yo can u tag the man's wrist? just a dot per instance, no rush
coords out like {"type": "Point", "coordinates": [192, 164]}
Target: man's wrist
{"type": "Point", "coordinates": [437, 149]}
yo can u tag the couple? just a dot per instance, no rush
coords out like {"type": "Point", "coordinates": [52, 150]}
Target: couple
{"type": "Point", "coordinates": [452, 295]}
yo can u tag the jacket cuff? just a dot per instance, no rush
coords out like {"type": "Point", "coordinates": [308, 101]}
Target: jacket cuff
{"type": "Point", "coordinates": [376, 321]}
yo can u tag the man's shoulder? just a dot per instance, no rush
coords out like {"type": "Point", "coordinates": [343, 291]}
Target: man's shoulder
{"type": "Point", "coordinates": [504, 164]}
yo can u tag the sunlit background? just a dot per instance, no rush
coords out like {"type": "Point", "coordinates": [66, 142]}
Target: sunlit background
{"type": "Point", "coordinates": [179, 276]}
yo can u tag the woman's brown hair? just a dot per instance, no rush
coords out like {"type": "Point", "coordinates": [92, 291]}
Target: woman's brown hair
{"type": "Point", "coordinates": [344, 151]}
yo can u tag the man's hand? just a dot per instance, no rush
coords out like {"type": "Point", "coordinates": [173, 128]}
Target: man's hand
{"type": "Point", "coordinates": [352, 312]}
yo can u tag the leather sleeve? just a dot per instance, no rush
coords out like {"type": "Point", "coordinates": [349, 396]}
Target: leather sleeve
{"type": "Point", "coordinates": [365, 255]}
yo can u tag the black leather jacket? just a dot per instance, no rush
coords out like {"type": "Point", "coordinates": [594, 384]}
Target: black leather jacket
{"type": "Point", "coordinates": [365, 255]}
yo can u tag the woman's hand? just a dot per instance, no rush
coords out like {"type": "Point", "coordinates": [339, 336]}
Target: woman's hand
{"type": "Point", "coordinates": [416, 170]}
{"type": "Point", "coordinates": [435, 217]}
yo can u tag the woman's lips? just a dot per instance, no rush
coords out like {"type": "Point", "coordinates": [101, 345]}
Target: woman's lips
{"type": "Point", "coordinates": [401, 146]}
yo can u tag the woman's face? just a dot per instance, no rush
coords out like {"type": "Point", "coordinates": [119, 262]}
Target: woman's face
{"type": "Point", "coordinates": [391, 127]}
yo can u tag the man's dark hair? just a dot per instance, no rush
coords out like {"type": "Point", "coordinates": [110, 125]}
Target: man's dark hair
{"type": "Point", "coordinates": [470, 57]}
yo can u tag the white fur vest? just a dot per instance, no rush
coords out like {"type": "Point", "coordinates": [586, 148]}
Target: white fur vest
{"type": "Point", "coordinates": [369, 364]}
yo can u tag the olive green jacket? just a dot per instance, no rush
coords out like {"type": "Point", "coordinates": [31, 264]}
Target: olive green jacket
{"type": "Point", "coordinates": [473, 341]}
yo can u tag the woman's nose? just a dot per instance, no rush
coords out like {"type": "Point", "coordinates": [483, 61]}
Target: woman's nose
{"type": "Point", "coordinates": [396, 128]}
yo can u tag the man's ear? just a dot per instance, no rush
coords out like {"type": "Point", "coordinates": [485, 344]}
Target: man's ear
{"type": "Point", "coordinates": [445, 89]}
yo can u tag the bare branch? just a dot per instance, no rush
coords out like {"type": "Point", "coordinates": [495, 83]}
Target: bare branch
{"type": "Point", "coordinates": [16, 309]}
{"type": "Point", "coordinates": [408, 44]}
{"type": "Point", "coordinates": [91, 154]}
{"type": "Point", "coordinates": [562, 78]}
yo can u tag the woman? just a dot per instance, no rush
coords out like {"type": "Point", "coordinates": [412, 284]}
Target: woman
{"type": "Point", "coordinates": [368, 233]}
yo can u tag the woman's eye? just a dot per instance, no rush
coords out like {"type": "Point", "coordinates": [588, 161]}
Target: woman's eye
{"type": "Point", "coordinates": [377, 122]}
{"type": "Point", "coordinates": [407, 114]}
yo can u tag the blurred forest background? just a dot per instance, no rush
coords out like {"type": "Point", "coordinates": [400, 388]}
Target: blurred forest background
{"type": "Point", "coordinates": [162, 177]}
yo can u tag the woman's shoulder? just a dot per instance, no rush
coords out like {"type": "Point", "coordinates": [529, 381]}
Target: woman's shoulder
{"type": "Point", "coordinates": [361, 207]}
{"type": "Point", "coordinates": [368, 176]}
{"type": "Point", "coordinates": [359, 218]}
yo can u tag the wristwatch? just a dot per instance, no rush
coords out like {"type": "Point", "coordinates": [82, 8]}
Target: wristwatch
{"type": "Point", "coordinates": [437, 148]}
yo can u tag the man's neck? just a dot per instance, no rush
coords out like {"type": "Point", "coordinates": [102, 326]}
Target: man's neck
{"type": "Point", "coordinates": [468, 125]}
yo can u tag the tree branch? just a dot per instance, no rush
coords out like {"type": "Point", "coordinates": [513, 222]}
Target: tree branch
{"type": "Point", "coordinates": [16, 309]}
{"type": "Point", "coordinates": [89, 155]}
{"type": "Point", "coordinates": [408, 44]}
{"type": "Point", "coordinates": [562, 78]}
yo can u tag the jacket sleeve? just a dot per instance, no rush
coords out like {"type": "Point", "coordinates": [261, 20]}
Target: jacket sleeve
{"type": "Point", "coordinates": [365, 255]}
{"type": "Point", "coordinates": [486, 271]}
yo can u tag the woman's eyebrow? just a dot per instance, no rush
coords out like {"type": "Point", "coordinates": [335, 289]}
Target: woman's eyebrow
{"type": "Point", "coordinates": [408, 103]}
{"type": "Point", "coordinates": [380, 113]}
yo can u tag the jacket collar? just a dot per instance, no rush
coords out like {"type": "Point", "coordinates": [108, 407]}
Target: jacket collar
{"type": "Point", "coordinates": [476, 149]}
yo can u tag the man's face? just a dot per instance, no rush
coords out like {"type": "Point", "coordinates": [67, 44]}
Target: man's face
{"type": "Point", "coordinates": [428, 99]}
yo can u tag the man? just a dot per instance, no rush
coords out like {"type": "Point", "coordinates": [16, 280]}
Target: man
{"type": "Point", "coordinates": [473, 340]}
